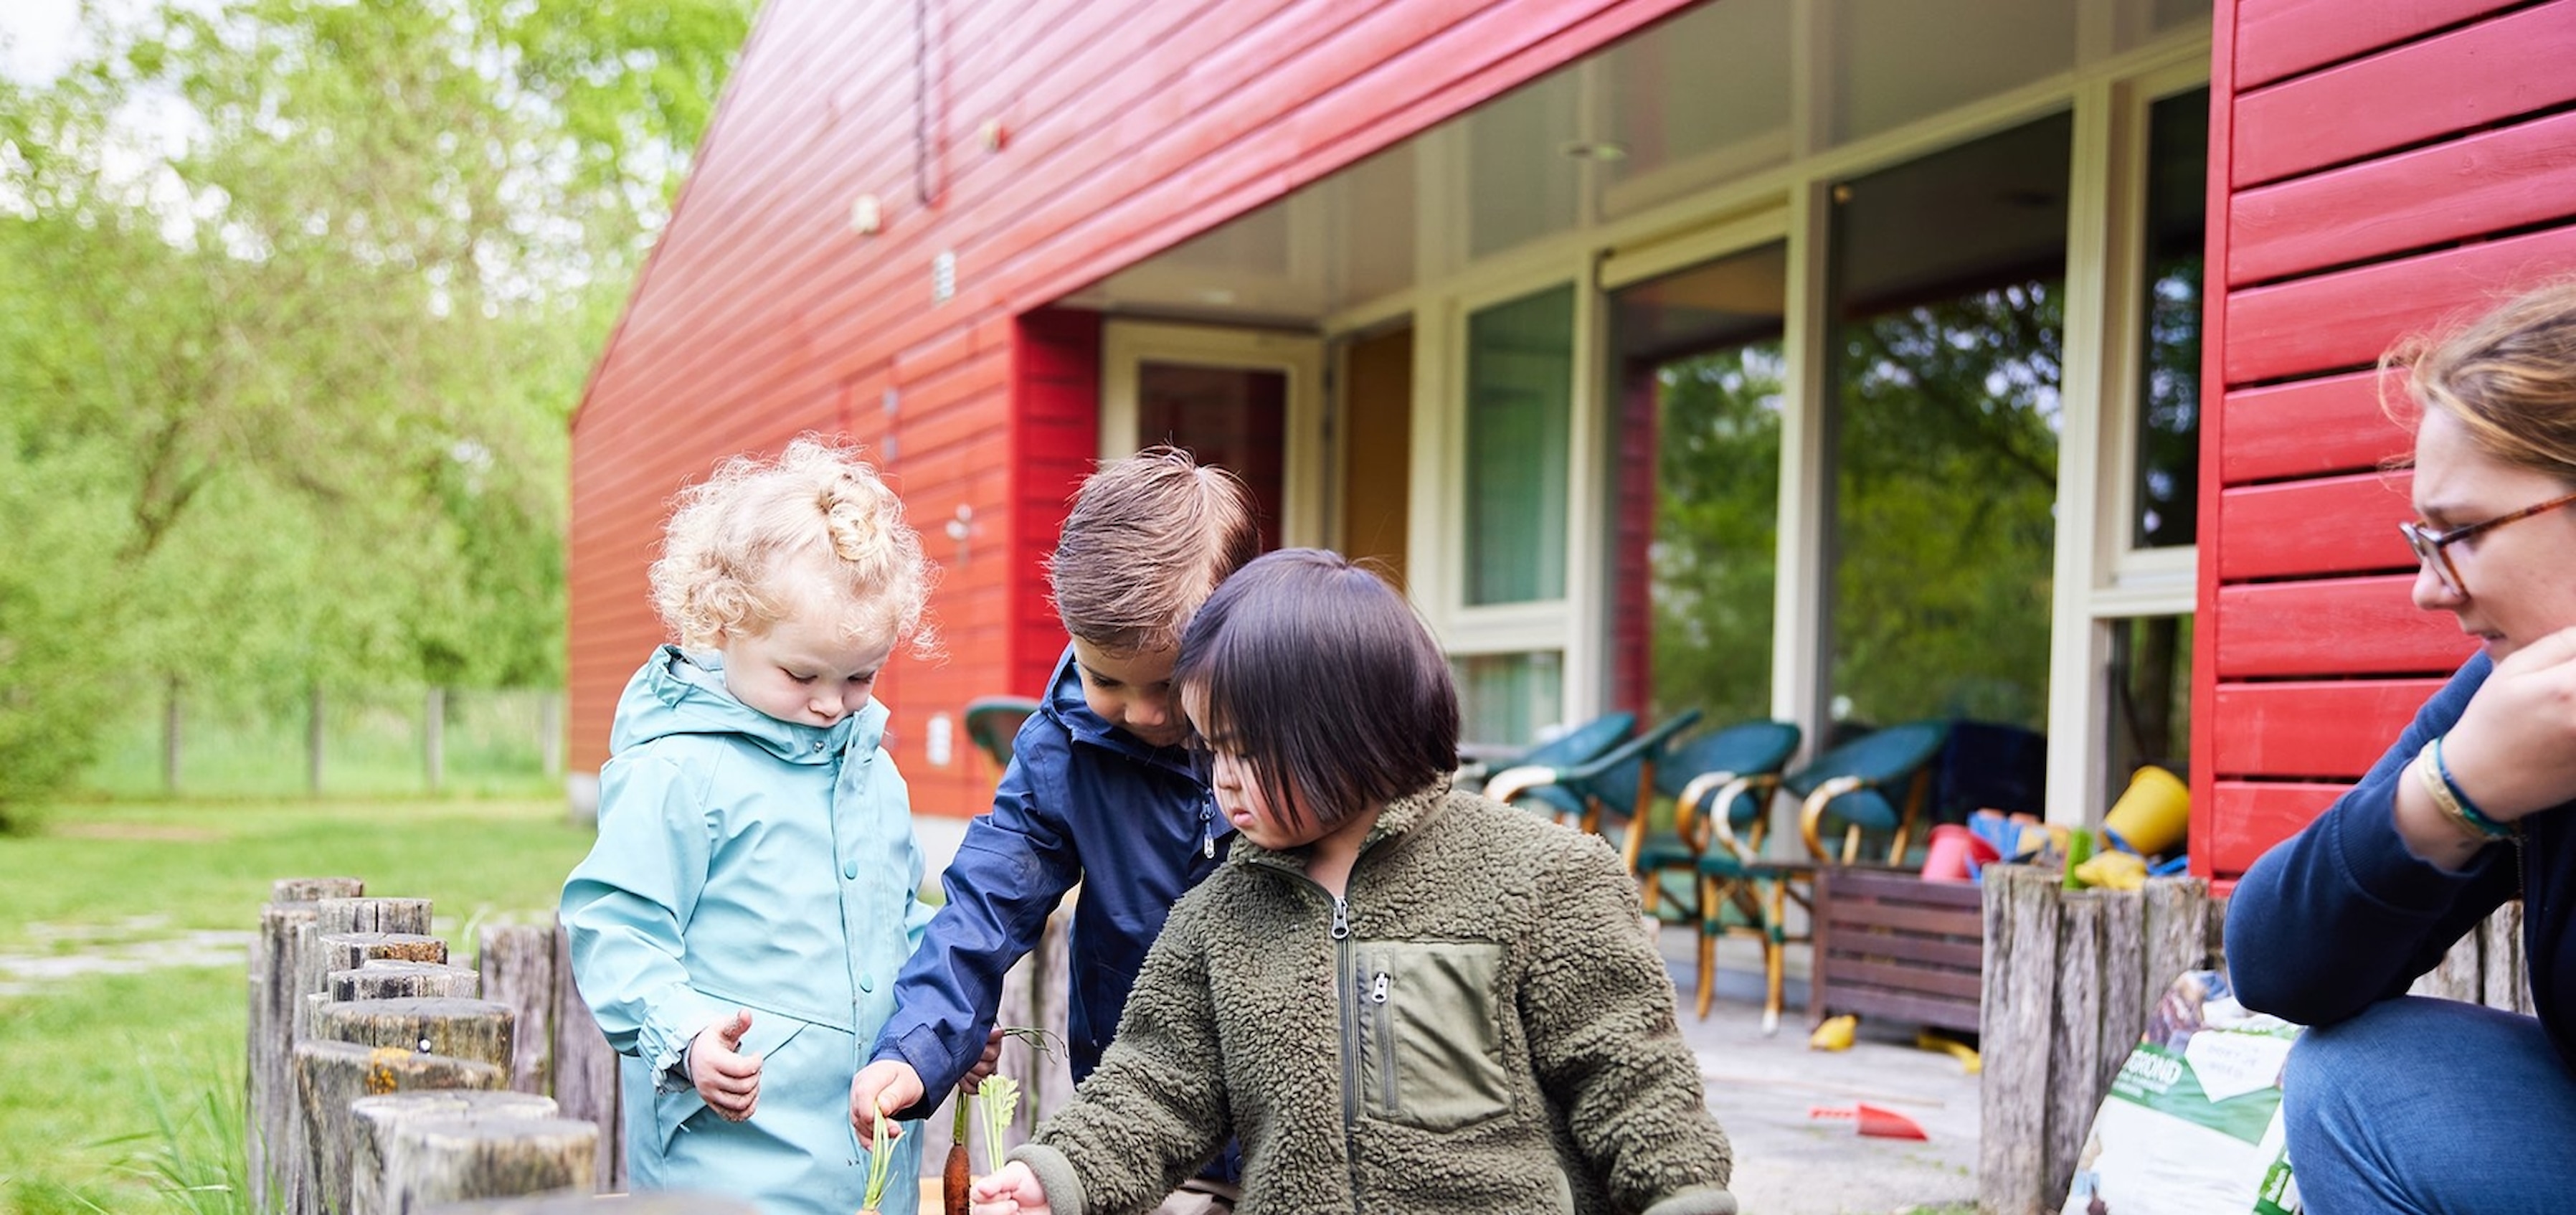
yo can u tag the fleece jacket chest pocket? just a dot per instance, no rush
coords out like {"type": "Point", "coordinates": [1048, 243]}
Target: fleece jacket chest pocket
{"type": "Point", "coordinates": [1431, 1052]}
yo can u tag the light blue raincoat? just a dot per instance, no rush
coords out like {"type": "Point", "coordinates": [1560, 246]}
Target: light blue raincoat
{"type": "Point", "coordinates": [746, 862]}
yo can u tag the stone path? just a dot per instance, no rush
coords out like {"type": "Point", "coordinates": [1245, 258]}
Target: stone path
{"type": "Point", "coordinates": [128, 946]}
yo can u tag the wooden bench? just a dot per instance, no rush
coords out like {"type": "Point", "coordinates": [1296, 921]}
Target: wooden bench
{"type": "Point", "coordinates": [1888, 943]}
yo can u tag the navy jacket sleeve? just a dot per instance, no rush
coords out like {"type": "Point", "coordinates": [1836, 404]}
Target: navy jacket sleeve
{"type": "Point", "coordinates": [2342, 915]}
{"type": "Point", "coordinates": [1009, 873]}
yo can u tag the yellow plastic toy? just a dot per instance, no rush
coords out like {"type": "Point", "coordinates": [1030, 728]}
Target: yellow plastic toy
{"type": "Point", "coordinates": [1834, 1033]}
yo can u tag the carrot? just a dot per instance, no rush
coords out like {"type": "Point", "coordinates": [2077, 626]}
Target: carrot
{"type": "Point", "coordinates": [958, 1177]}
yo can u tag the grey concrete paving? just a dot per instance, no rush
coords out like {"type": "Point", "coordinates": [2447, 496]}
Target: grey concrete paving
{"type": "Point", "coordinates": [1762, 1089]}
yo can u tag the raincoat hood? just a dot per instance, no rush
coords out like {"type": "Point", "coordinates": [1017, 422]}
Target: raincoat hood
{"type": "Point", "coordinates": [683, 692]}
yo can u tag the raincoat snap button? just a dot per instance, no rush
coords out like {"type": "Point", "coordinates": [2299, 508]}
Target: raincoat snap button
{"type": "Point", "coordinates": [867, 981]}
{"type": "Point", "coordinates": [850, 870]}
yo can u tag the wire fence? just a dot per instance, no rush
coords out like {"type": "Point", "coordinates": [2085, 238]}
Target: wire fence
{"type": "Point", "coordinates": [396, 742]}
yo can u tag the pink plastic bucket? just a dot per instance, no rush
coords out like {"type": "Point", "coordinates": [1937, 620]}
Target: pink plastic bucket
{"type": "Point", "coordinates": [1954, 851]}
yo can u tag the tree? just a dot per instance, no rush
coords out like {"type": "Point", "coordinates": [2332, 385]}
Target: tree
{"type": "Point", "coordinates": [314, 361]}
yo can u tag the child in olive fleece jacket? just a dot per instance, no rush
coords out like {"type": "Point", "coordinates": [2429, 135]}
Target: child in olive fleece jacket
{"type": "Point", "coordinates": [1401, 998]}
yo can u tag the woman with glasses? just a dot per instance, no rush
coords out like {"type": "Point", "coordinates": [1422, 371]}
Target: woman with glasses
{"type": "Point", "coordinates": [2397, 1103]}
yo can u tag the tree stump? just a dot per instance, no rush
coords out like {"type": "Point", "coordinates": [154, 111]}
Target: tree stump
{"type": "Point", "coordinates": [308, 890]}
{"type": "Point", "coordinates": [586, 1069]}
{"type": "Point", "coordinates": [464, 1029]}
{"type": "Point", "coordinates": [404, 980]}
{"type": "Point", "coordinates": [273, 1153]}
{"type": "Point", "coordinates": [445, 1159]}
{"type": "Point", "coordinates": [350, 950]}
{"type": "Point", "coordinates": [517, 963]}
{"type": "Point", "coordinates": [2021, 916]}
{"type": "Point", "coordinates": [330, 1076]}
{"type": "Point", "coordinates": [372, 1121]}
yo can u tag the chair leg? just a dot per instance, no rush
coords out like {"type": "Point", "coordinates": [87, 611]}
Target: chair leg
{"type": "Point", "coordinates": [1775, 936]}
{"type": "Point", "coordinates": [1707, 942]}
{"type": "Point", "coordinates": [1771, 951]}
{"type": "Point", "coordinates": [1707, 970]}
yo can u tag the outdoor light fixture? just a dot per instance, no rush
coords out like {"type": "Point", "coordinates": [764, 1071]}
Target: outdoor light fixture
{"type": "Point", "coordinates": [1603, 150]}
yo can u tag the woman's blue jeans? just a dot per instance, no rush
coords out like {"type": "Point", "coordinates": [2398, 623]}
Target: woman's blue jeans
{"type": "Point", "coordinates": [2424, 1105]}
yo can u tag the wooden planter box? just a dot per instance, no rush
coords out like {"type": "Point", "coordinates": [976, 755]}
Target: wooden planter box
{"type": "Point", "coordinates": [1888, 943]}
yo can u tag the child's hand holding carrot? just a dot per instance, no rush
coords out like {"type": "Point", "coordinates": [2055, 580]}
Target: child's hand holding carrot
{"type": "Point", "coordinates": [1011, 1190]}
{"type": "Point", "coordinates": [727, 1078]}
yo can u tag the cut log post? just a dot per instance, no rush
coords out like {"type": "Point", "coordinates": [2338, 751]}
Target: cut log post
{"type": "Point", "coordinates": [2020, 984]}
{"type": "Point", "coordinates": [2457, 976]}
{"type": "Point", "coordinates": [517, 963]}
{"type": "Point", "coordinates": [438, 1160]}
{"type": "Point", "coordinates": [463, 1029]}
{"type": "Point", "coordinates": [2124, 967]}
{"type": "Point", "coordinates": [2075, 1051]}
{"type": "Point", "coordinates": [1051, 1077]}
{"type": "Point", "coordinates": [350, 950]}
{"type": "Point", "coordinates": [665, 1202]}
{"type": "Point", "coordinates": [2506, 984]}
{"type": "Point", "coordinates": [586, 1069]}
{"type": "Point", "coordinates": [312, 890]}
{"type": "Point", "coordinates": [330, 1076]}
{"type": "Point", "coordinates": [404, 980]}
{"type": "Point", "coordinates": [2177, 934]}
{"type": "Point", "coordinates": [272, 1154]}
{"type": "Point", "coordinates": [373, 1119]}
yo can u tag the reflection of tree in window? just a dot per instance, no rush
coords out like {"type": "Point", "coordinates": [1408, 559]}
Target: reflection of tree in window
{"type": "Point", "coordinates": [1717, 494]}
{"type": "Point", "coordinates": [2168, 470]}
{"type": "Point", "coordinates": [1946, 495]}
{"type": "Point", "coordinates": [1947, 348]}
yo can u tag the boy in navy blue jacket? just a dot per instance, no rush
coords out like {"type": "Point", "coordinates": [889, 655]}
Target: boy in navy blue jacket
{"type": "Point", "coordinates": [1100, 787]}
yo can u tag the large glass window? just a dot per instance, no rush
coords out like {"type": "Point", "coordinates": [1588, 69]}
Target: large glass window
{"type": "Point", "coordinates": [2166, 510]}
{"type": "Point", "coordinates": [1520, 395]}
{"type": "Point", "coordinates": [1695, 480]}
{"type": "Point", "coordinates": [1505, 700]}
{"type": "Point", "coordinates": [2150, 711]}
{"type": "Point", "coordinates": [1947, 280]}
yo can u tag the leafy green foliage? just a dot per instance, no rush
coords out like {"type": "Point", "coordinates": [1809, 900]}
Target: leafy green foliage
{"type": "Point", "coordinates": [1718, 491]}
{"type": "Point", "coordinates": [1946, 492]}
{"type": "Point", "coordinates": [296, 297]}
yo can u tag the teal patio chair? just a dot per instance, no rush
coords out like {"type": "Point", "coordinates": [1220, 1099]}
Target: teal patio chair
{"type": "Point", "coordinates": [1737, 768]}
{"type": "Point", "coordinates": [1577, 746]}
{"type": "Point", "coordinates": [1870, 789]}
{"type": "Point", "coordinates": [1611, 789]}
{"type": "Point", "coordinates": [993, 723]}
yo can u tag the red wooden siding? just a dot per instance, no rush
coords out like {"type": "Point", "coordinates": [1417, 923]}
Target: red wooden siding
{"type": "Point", "coordinates": [1131, 126]}
{"type": "Point", "coordinates": [2381, 167]}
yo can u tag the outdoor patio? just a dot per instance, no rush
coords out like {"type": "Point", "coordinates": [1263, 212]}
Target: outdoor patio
{"type": "Point", "coordinates": [1761, 1089]}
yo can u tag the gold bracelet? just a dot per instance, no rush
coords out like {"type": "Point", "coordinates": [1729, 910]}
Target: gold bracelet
{"type": "Point", "coordinates": [2442, 798]}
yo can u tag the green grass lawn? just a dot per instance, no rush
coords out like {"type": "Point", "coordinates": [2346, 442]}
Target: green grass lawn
{"type": "Point", "coordinates": [82, 1059]}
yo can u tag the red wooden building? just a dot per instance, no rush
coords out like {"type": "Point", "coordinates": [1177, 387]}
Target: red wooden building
{"type": "Point", "coordinates": [1836, 360]}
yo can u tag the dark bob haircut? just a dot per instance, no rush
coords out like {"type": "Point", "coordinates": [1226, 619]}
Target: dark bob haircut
{"type": "Point", "coordinates": [1320, 675]}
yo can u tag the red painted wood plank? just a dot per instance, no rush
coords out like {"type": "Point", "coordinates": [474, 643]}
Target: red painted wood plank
{"type": "Point", "coordinates": [2331, 730]}
{"type": "Point", "coordinates": [2277, 38]}
{"type": "Point", "coordinates": [2331, 525]}
{"type": "Point", "coordinates": [2329, 627]}
{"type": "Point", "coordinates": [2246, 818]}
{"type": "Point", "coordinates": [2345, 319]}
{"type": "Point", "coordinates": [2491, 181]}
{"type": "Point", "coordinates": [2471, 77]}
{"type": "Point", "coordinates": [2217, 423]}
{"type": "Point", "coordinates": [2310, 427]}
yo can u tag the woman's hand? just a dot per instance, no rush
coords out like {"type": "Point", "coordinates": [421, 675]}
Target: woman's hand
{"type": "Point", "coordinates": [1012, 1191]}
{"type": "Point", "coordinates": [2513, 750]}
{"type": "Point", "coordinates": [728, 1079]}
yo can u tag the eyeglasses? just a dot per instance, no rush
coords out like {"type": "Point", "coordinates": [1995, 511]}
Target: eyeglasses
{"type": "Point", "coordinates": [2429, 544]}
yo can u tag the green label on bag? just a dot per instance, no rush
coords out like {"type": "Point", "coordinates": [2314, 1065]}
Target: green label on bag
{"type": "Point", "coordinates": [2161, 1081]}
